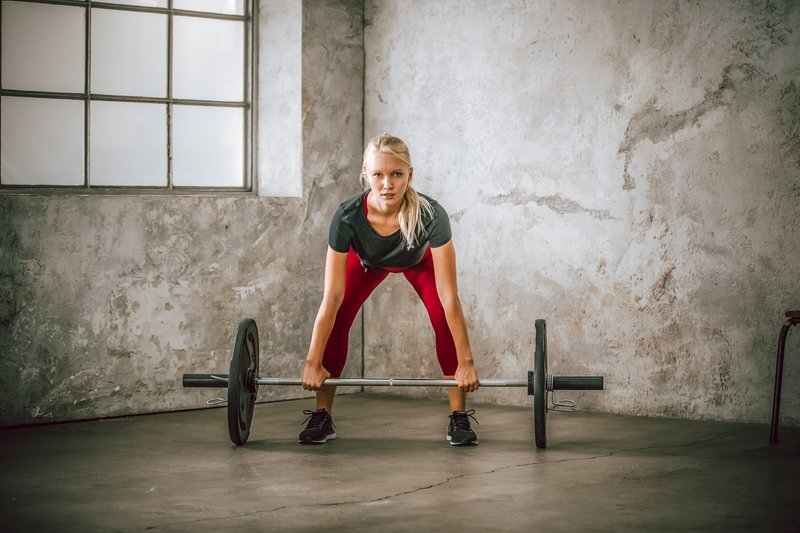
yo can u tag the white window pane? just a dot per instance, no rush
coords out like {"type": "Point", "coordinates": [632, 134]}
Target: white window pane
{"type": "Point", "coordinates": [41, 141]}
{"type": "Point", "coordinates": [208, 146]}
{"type": "Point", "coordinates": [229, 7]}
{"type": "Point", "coordinates": [208, 61]}
{"type": "Point", "coordinates": [145, 3]}
{"type": "Point", "coordinates": [128, 144]}
{"type": "Point", "coordinates": [129, 53]}
{"type": "Point", "coordinates": [43, 47]}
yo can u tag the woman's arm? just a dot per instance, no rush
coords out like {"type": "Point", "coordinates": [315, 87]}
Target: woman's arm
{"type": "Point", "coordinates": [444, 266]}
{"type": "Point", "coordinates": [314, 374]}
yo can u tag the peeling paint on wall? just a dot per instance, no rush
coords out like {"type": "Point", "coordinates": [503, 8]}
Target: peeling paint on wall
{"type": "Point", "coordinates": [742, 81]}
{"type": "Point", "coordinates": [557, 203]}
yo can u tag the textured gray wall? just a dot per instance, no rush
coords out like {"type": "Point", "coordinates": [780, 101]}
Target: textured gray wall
{"type": "Point", "coordinates": [107, 300]}
{"type": "Point", "coordinates": [628, 170]}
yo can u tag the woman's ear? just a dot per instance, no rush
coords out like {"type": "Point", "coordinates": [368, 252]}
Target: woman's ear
{"type": "Point", "coordinates": [410, 174]}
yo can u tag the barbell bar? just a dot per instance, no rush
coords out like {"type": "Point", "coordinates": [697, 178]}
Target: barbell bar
{"type": "Point", "coordinates": [558, 382]}
{"type": "Point", "coordinates": [243, 389]}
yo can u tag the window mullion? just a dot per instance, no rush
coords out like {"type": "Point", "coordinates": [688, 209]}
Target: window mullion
{"type": "Point", "coordinates": [87, 115]}
{"type": "Point", "coordinates": [170, 25]}
{"type": "Point", "coordinates": [246, 95]}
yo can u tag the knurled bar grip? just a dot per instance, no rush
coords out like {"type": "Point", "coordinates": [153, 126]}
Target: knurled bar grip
{"type": "Point", "coordinates": [559, 382]}
{"type": "Point", "coordinates": [205, 380]}
{"type": "Point", "coordinates": [577, 383]}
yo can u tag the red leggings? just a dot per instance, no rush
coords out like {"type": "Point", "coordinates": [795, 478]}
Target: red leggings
{"type": "Point", "coordinates": [359, 284]}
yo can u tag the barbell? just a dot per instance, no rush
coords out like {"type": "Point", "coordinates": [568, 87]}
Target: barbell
{"type": "Point", "coordinates": [243, 381]}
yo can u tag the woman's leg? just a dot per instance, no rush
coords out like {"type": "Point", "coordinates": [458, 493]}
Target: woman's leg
{"type": "Point", "coordinates": [423, 279]}
{"type": "Point", "coordinates": [359, 284]}
{"type": "Point", "coordinates": [456, 397]}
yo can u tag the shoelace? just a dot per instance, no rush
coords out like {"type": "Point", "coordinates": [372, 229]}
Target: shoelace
{"type": "Point", "coordinates": [316, 418]}
{"type": "Point", "coordinates": [461, 419]}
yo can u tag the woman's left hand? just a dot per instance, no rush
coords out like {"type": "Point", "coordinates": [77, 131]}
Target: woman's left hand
{"type": "Point", "coordinates": [467, 377]}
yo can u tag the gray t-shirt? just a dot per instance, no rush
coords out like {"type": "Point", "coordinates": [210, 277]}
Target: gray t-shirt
{"type": "Point", "coordinates": [350, 227]}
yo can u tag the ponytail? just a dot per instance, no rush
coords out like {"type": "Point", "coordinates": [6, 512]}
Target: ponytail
{"type": "Point", "coordinates": [410, 216]}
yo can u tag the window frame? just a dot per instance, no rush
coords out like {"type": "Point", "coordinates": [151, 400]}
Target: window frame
{"type": "Point", "coordinates": [247, 104]}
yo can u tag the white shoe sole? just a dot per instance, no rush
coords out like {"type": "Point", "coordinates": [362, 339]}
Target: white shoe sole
{"type": "Point", "coordinates": [321, 441]}
{"type": "Point", "coordinates": [465, 443]}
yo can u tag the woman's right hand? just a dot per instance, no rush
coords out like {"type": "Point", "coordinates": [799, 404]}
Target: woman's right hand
{"type": "Point", "coordinates": [314, 376]}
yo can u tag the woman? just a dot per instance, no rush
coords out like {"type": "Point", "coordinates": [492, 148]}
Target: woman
{"type": "Point", "coordinates": [389, 228]}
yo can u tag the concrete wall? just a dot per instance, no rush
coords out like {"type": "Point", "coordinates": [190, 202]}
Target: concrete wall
{"type": "Point", "coordinates": [108, 300]}
{"type": "Point", "coordinates": [627, 170]}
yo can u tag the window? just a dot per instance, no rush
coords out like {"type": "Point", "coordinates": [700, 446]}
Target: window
{"type": "Point", "coordinates": [132, 94]}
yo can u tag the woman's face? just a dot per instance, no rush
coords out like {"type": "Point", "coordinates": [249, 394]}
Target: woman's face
{"type": "Point", "coordinates": [388, 178]}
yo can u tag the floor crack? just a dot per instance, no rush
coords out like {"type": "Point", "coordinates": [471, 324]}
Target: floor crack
{"type": "Point", "coordinates": [449, 480]}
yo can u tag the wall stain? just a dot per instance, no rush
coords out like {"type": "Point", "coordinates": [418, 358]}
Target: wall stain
{"type": "Point", "coordinates": [660, 287]}
{"type": "Point", "coordinates": [9, 250]}
{"type": "Point", "coordinates": [744, 80]}
{"type": "Point", "coordinates": [8, 301]}
{"type": "Point", "coordinates": [770, 32]}
{"type": "Point", "coordinates": [789, 122]}
{"type": "Point", "coordinates": [562, 206]}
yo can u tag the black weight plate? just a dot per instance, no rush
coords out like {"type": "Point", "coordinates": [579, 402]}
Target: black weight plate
{"type": "Point", "coordinates": [242, 384]}
{"type": "Point", "coordinates": [540, 386]}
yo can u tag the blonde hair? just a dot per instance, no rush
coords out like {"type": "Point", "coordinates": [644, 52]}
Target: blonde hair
{"type": "Point", "coordinates": [413, 206]}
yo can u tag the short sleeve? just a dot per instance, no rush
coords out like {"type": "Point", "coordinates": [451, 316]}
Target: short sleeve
{"type": "Point", "coordinates": [440, 233]}
{"type": "Point", "coordinates": [340, 233]}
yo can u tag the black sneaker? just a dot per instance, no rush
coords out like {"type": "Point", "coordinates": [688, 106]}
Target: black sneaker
{"type": "Point", "coordinates": [459, 432]}
{"type": "Point", "coordinates": [319, 429]}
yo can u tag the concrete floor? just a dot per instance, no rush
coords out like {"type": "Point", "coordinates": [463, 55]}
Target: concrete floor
{"type": "Point", "coordinates": [392, 470]}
